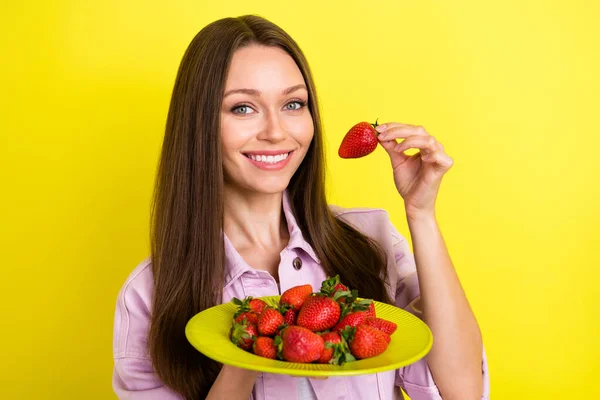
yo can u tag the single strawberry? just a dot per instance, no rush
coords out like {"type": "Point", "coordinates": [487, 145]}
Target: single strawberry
{"type": "Point", "coordinates": [269, 322]}
{"type": "Point", "coordinates": [243, 334]}
{"type": "Point", "coordinates": [360, 141]}
{"type": "Point", "coordinates": [332, 285]}
{"type": "Point", "coordinates": [298, 344]}
{"type": "Point", "coordinates": [366, 305]}
{"type": "Point", "coordinates": [353, 319]}
{"type": "Point", "coordinates": [371, 310]}
{"type": "Point", "coordinates": [257, 305]}
{"type": "Point", "coordinates": [366, 341]}
{"type": "Point", "coordinates": [319, 313]}
{"type": "Point", "coordinates": [289, 316]}
{"type": "Point", "coordinates": [352, 304]}
{"type": "Point", "coordinates": [296, 296]}
{"type": "Point", "coordinates": [265, 347]}
{"type": "Point", "coordinates": [250, 316]}
{"type": "Point", "coordinates": [249, 304]}
{"type": "Point", "coordinates": [336, 350]}
{"type": "Point", "coordinates": [330, 339]}
{"type": "Point", "coordinates": [382, 324]}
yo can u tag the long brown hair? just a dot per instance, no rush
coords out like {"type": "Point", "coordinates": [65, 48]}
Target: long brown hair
{"type": "Point", "coordinates": [187, 248]}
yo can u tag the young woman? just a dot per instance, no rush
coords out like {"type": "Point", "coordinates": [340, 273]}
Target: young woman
{"type": "Point", "coordinates": [240, 210]}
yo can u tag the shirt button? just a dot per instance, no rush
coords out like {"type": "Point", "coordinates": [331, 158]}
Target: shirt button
{"type": "Point", "coordinates": [297, 263]}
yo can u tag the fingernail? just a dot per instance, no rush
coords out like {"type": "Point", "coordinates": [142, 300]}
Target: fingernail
{"type": "Point", "coordinates": [381, 128]}
{"type": "Point", "coordinates": [382, 136]}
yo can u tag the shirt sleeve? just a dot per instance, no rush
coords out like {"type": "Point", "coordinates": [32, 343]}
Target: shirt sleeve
{"type": "Point", "coordinates": [134, 377]}
{"type": "Point", "coordinates": [416, 379]}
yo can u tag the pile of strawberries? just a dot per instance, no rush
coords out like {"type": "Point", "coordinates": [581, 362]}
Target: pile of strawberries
{"type": "Point", "coordinates": [331, 326]}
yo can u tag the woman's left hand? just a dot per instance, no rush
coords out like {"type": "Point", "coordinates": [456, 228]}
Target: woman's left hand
{"type": "Point", "coordinates": [417, 177]}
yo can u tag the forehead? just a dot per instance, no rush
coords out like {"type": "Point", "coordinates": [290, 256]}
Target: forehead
{"type": "Point", "coordinates": [263, 68]}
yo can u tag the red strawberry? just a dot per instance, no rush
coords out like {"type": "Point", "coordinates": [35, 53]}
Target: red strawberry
{"type": "Point", "coordinates": [250, 316]}
{"type": "Point", "coordinates": [249, 304]}
{"type": "Point", "coordinates": [331, 339]}
{"type": "Point", "coordinates": [341, 286]}
{"type": "Point", "coordinates": [319, 313]}
{"type": "Point", "coordinates": [298, 344]}
{"type": "Point", "coordinates": [371, 310]}
{"type": "Point", "coordinates": [257, 305]}
{"type": "Point", "coordinates": [336, 350]}
{"type": "Point", "coordinates": [243, 334]}
{"type": "Point", "coordinates": [366, 305]}
{"type": "Point", "coordinates": [269, 322]}
{"type": "Point", "coordinates": [265, 347]}
{"type": "Point", "coordinates": [289, 316]}
{"type": "Point", "coordinates": [382, 324]}
{"type": "Point", "coordinates": [332, 285]}
{"type": "Point", "coordinates": [366, 341]}
{"type": "Point", "coordinates": [353, 319]}
{"type": "Point", "coordinates": [295, 296]}
{"type": "Point", "coordinates": [352, 304]}
{"type": "Point", "coordinates": [360, 141]}
{"type": "Point", "coordinates": [387, 337]}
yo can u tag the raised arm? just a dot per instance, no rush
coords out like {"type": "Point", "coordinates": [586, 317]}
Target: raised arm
{"type": "Point", "coordinates": [456, 357]}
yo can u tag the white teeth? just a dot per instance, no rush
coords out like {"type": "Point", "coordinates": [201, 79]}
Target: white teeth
{"type": "Point", "coordinates": [269, 159]}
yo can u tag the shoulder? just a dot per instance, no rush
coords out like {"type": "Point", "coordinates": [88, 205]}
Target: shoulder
{"type": "Point", "coordinates": [137, 289]}
{"type": "Point", "coordinates": [140, 279]}
{"type": "Point", "coordinates": [374, 222]}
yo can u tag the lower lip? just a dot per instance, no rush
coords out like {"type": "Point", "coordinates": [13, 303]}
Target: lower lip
{"type": "Point", "coordinates": [271, 167]}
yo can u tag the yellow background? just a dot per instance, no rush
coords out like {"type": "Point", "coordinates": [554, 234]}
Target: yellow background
{"type": "Point", "coordinates": [510, 88]}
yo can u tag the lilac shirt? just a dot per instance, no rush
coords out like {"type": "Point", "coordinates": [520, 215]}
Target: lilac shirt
{"type": "Point", "coordinates": [135, 379]}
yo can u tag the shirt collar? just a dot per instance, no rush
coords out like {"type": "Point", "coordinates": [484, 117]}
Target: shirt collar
{"type": "Point", "coordinates": [235, 264]}
{"type": "Point", "coordinates": [296, 238]}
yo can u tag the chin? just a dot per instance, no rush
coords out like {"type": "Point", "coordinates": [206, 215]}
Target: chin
{"type": "Point", "coordinates": [270, 187]}
{"type": "Point", "coordinates": [262, 186]}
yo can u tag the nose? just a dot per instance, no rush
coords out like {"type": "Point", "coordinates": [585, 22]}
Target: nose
{"type": "Point", "coordinates": [272, 130]}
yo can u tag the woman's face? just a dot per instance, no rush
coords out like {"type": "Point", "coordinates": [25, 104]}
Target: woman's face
{"type": "Point", "coordinates": [266, 126]}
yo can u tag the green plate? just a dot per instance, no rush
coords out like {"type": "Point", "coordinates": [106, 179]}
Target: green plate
{"type": "Point", "coordinates": [208, 332]}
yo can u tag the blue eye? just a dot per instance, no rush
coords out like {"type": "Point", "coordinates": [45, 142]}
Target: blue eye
{"type": "Point", "coordinates": [242, 109]}
{"type": "Point", "coordinates": [295, 105]}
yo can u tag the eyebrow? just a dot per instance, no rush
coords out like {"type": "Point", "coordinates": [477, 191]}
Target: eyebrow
{"type": "Point", "coordinates": [254, 92]}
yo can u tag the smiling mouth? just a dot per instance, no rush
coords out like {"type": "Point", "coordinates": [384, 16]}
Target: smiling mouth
{"type": "Point", "coordinates": [268, 159]}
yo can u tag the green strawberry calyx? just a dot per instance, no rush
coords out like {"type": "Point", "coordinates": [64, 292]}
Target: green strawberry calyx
{"type": "Point", "coordinates": [341, 352]}
{"type": "Point", "coordinates": [239, 332]}
{"type": "Point", "coordinates": [243, 305]}
{"type": "Point", "coordinates": [328, 285]}
{"type": "Point", "coordinates": [278, 342]}
{"type": "Point", "coordinates": [375, 125]}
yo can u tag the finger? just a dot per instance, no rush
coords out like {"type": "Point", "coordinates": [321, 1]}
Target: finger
{"type": "Point", "coordinates": [426, 144]}
{"type": "Point", "coordinates": [438, 158]}
{"type": "Point", "coordinates": [399, 131]}
{"type": "Point", "coordinates": [388, 125]}
{"type": "Point", "coordinates": [396, 158]}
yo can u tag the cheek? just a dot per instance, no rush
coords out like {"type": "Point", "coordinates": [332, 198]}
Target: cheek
{"type": "Point", "coordinates": [230, 137]}
{"type": "Point", "coordinates": [303, 130]}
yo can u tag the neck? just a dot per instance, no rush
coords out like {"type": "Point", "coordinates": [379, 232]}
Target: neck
{"type": "Point", "coordinates": [254, 219]}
